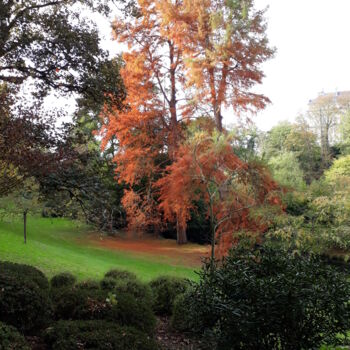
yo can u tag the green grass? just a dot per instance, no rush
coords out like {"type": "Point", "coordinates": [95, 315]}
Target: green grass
{"type": "Point", "coordinates": [53, 247]}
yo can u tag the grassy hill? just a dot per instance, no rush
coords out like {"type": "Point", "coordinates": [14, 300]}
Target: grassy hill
{"type": "Point", "coordinates": [56, 245]}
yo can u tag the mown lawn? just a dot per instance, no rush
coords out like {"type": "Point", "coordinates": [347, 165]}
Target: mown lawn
{"type": "Point", "coordinates": [54, 245]}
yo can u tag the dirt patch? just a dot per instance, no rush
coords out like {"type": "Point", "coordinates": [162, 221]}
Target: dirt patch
{"type": "Point", "coordinates": [168, 339]}
{"type": "Point", "coordinates": [163, 249]}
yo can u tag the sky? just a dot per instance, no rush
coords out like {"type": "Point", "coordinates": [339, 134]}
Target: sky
{"type": "Point", "coordinates": [313, 55]}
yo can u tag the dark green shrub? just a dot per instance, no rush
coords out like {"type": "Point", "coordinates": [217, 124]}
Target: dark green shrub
{"type": "Point", "coordinates": [129, 311]}
{"type": "Point", "coordinates": [97, 335]}
{"type": "Point", "coordinates": [181, 318]}
{"type": "Point", "coordinates": [25, 271]}
{"type": "Point", "coordinates": [77, 303]}
{"type": "Point", "coordinates": [80, 304]}
{"type": "Point", "coordinates": [108, 283]}
{"type": "Point", "coordinates": [64, 279]}
{"type": "Point", "coordinates": [268, 299]}
{"type": "Point", "coordinates": [88, 285]}
{"type": "Point", "coordinates": [10, 339]}
{"type": "Point", "coordinates": [165, 289]}
{"type": "Point", "coordinates": [139, 290]}
{"type": "Point", "coordinates": [22, 303]}
{"type": "Point", "coordinates": [120, 274]}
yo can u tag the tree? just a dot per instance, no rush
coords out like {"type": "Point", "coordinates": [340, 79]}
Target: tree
{"type": "Point", "coordinates": [286, 171]}
{"type": "Point", "coordinates": [298, 139]}
{"type": "Point", "coordinates": [85, 188]}
{"type": "Point", "coordinates": [344, 131]}
{"type": "Point", "coordinates": [224, 44]}
{"type": "Point", "coordinates": [147, 131]}
{"type": "Point", "coordinates": [52, 44]}
{"type": "Point", "coordinates": [324, 113]}
{"type": "Point", "coordinates": [21, 201]}
{"type": "Point", "coordinates": [164, 39]}
{"type": "Point", "coordinates": [207, 167]}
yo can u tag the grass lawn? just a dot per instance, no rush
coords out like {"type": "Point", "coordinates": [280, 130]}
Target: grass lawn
{"type": "Point", "coordinates": [54, 245]}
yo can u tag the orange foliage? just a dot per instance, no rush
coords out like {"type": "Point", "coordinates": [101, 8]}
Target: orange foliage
{"type": "Point", "coordinates": [207, 168]}
{"type": "Point", "coordinates": [185, 58]}
{"type": "Point", "coordinates": [223, 45]}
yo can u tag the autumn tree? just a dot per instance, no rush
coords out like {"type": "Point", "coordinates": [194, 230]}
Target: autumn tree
{"type": "Point", "coordinates": [185, 59]}
{"type": "Point", "coordinates": [223, 44]}
{"type": "Point", "coordinates": [147, 131]}
{"type": "Point", "coordinates": [207, 167]}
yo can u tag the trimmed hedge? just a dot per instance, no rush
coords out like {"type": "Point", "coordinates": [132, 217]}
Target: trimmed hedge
{"type": "Point", "coordinates": [165, 289]}
{"type": "Point", "coordinates": [25, 271]}
{"type": "Point", "coordinates": [125, 309]}
{"type": "Point", "coordinates": [11, 339]}
{"type": "Point", "coordinates": [23, 304]}
{"type": "Point", "coordinates": [88, 285]}
{"type": "Point", "coordinates": [101, 335]}
{"type": "Point", "coordinates": [63, 279]}
{"type": "Point", "coordinates": [139, 290]}
{"type": "Point", "coordinates": [120, 274]}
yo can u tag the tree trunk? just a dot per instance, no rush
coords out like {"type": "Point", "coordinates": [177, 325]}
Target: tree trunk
{"type": "Point", "coordinates": [25, 226]}
{"type": "Point", "coordinates": [181, 233]}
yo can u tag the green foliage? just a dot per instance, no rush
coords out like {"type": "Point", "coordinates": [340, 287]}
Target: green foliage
{"type": "Point", "coordinates": [22, 303]}
{"type": "Point", "coordinates": [299, 140]}
{"type": "Point", "coordinates": [182, 313]}
{"type": "Point", "coordinates": [10, 339]}
{"type": "Point", "coordinates": [25, 272]}
{"type": "Point", "coordinates": [108, 283]}
{"type": "Point", "coordinates": [269, 299]}
{"type": "Point", "coordinates": [139, 290]}
{"type": "Point", "coordinates": [63, 279]}
{"type": "Point", "coordinates": [102, 335]}
{"type": "Point", "coordinates": [286, 170]}
{"type": "Point", "coordinates": [339, 169]}
{"type": "Point", "coordinates": [122, 308]}
{"type": "Point", "coordinates": [117, 274]}
{"type": "Point", "coordinates": [88, 285]}
{"type": "Point", "coordinates": [165, 289]}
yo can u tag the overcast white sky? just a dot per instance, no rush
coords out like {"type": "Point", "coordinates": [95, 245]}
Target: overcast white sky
{"type": "Point", "coordinates": [313, 54]}
{"type": "Point", "coordinates": [312, 38]}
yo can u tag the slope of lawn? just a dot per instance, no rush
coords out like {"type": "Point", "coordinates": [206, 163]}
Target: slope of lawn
{"type": "Point", "coordinates": [54, 245]}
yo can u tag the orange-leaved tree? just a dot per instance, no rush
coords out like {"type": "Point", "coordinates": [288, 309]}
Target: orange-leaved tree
{"type": "Point", "coordinates": [208, 168]}
{"type": "Point", "coordinates": [223, 45]}
{"type": "Point", "coordinates": [185, 59]}
{"type": "Point", "coordinates": [148, 130]}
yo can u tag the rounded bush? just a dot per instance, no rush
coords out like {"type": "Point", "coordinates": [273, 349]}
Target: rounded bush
{"type": "Point", "coordinates": [23, 304]}
{"type": "Point", "coordinates": [139, 290]}
{"type": "Point", "coordinates": [11, 339]}
{"type": "Point", "coordinates": [77, 303]}
{"type": "Point", "coordinates": [129, 311]}
{"type": "Point", "coordinates": [64, 279]}
{"type": "Point", "coordinates": [182, 315]}
{"type": "Point", "coordinates": [101, 335]}
{"type": "Point", "coordinates": [108, 283]}
{"type": "Point", "coordinates": [25, 271]}
{"type": "Point", "coordinates": [120, 274]}
{"type": "Point", "coordinates": [165, 289]}
{"type": "Point", "coordinates": [268, 299]}
{"type": "Point", "coordinates": [122, 308]}
{"type": "Point", "coordinates": [88, 285]}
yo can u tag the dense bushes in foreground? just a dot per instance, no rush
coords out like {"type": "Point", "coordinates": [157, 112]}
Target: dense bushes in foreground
{"type": "Point", "coordinates": [11, 339]}
{"type": "Point", "coordinates": [23, 304]}
{"type": "Point", "coordinates": [266, 299]}
{"type": "Point", "coordinates": [102, 335]}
